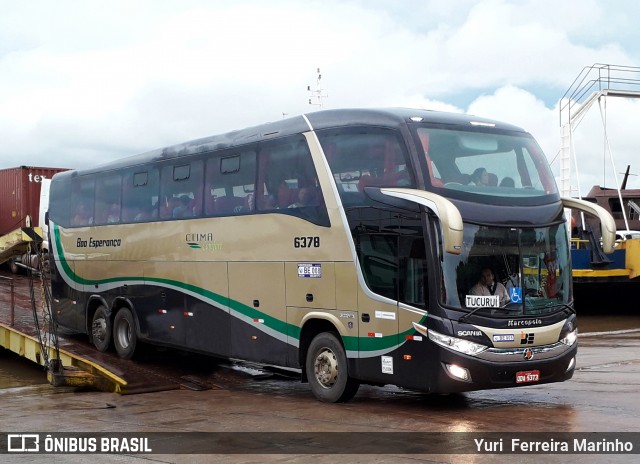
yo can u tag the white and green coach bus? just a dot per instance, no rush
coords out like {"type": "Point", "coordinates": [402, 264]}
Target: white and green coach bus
{"type": "Point", "coordinates": [344, 243]}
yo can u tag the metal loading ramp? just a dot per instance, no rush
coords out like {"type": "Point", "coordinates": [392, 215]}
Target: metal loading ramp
{"type": "Point", "coordinates": [72, 370]}
{"type": "Point", "coordinates": [75, 362]}
{"type": "Point", "coordinates": [83, 367]}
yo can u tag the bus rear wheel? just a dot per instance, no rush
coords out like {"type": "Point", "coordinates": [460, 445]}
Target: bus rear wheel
{"type": "Point", "coordinates": [125, 338]}
{"type": "Point", "coordinates": [101, 329]}
{"type": "Point", "coordinates": [326, 368]}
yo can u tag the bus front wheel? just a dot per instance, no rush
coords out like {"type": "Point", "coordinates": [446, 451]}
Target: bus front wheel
{"type": "Point", "coordinates": [326, 368]}
{"type": "Point", "coordinates": [124, 334]}
{"type": "Point", "coordinates": [101, 329]}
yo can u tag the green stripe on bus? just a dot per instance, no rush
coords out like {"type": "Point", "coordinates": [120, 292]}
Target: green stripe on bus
{"type": "Point", "coordinates": [351, 343]}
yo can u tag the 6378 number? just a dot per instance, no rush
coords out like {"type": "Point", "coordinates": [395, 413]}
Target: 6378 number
{"type": "Point", "coordinates": [306, 242]}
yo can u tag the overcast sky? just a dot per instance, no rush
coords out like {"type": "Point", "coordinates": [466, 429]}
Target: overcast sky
{"type": "Point", "coordinates": [84, 82]}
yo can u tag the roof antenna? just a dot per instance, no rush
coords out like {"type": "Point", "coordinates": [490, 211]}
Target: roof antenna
{"type": "Point", "coordinates": [317, 95]}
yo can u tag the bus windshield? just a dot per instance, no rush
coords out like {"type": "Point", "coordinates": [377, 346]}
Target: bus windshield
{"type": "Point", "coordinates": [530, 269]}
{"type": "Point", "coordinates": [499, 164]}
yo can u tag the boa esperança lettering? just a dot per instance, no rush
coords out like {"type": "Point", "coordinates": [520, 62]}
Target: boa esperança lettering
{"type": "Point", "coordinates": [98, 243]}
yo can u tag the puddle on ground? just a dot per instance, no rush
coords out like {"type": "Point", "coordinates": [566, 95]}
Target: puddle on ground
{"type": "Point", "coordinates": [16, 371]}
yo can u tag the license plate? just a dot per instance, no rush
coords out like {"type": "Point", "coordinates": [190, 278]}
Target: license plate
{"type": "Point", "coordinates": [527, 376]}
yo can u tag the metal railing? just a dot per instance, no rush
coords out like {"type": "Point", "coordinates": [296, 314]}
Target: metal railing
{"type": "Point", "coordinates": [595, 78]}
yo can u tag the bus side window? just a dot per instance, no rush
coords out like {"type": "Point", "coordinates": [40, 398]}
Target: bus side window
{"type": "Point", "coordinates": [360, 159]}
{"type": "Point", "coordinates": [60, 208]}
{"type": "Point", "coordinates": [181, 190]}
{"type": "Point", "coordinates": [82, 200]}
{"type": "Point", "coordinates": [288, 181]}
{"type": "Point", "coordinates": [108, 191]}
{"type": "Point", "coordinates": [230, 183]}
{"type": "Point", "coordinates": [140, 195]}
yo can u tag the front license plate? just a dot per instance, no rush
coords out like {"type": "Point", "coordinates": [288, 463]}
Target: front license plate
{"type": "Point", "coordinates": [527, 376]}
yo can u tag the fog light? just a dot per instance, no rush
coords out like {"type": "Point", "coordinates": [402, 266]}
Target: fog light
{"type": "Point", "coordinates": [572, 364]}
{"type": "Point", "coordinates": [458, 373]}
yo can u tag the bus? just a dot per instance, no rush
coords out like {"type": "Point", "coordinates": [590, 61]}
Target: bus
{"type": "Point", "coordinates": [346, 244]}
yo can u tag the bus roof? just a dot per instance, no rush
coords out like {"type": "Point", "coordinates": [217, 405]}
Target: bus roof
{"type": "Point", "coordinates": [326, 119]}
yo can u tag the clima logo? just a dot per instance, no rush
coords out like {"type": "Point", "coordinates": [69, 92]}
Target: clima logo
{"type": "Point", "coordinates": [202, 241]}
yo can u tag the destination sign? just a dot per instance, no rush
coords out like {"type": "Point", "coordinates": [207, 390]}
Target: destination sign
{"type": "Point", "coordinates": [477, 301]}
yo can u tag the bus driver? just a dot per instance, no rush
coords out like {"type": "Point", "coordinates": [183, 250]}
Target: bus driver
{"type": "Point", "coordinates": [488, 286]}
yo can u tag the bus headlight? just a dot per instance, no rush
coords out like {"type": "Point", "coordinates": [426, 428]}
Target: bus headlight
{"type": "Point", "coordinates": [569, 332]}
{"type": "Point", "coordinates": [570, 338]}
{"type": "Point", "coordinates": [456, 344]}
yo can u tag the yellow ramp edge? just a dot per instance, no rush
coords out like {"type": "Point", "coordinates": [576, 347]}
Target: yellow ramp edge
{"type": "Point", "coordinates": [633, 257]}
{"type": "Point", "coordinates": [77, 372]}
{"type": "Point", "coordinates": [17, 241]}
{"type": "Point", "coordinates": [601, 273]}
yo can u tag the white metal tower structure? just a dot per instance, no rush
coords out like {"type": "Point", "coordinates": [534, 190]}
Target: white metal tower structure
{"type": "Point", "coordinates": [594, 84]}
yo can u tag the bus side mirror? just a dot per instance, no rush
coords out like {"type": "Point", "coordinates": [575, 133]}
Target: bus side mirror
{"type": "Point", "coordinates": [446, 211]}
{"type": "Point", "coordinates": [607, 223]}
{"type": "Point", "coordinates": [46, 218]}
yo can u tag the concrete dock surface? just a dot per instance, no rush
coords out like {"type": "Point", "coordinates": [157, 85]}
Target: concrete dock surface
{"type": "Point", "coordinates": [197, 394]}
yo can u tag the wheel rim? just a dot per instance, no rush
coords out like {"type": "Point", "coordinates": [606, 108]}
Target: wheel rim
{"type": "Point", "coordinates": [99, 331]}
{"type": "Point", "coordinates": [326, 368]}
{"type": "Point", "coordinates": [123, 334]}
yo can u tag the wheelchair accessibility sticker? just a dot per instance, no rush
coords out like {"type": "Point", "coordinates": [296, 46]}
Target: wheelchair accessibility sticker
{"type": "Point", "coordinates": [515, 294]}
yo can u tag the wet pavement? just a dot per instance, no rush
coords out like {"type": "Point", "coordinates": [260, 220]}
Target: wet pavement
{"type": "Point", "coordinates": [212, 396]}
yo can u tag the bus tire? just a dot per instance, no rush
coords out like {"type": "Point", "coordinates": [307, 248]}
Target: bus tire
{"type": "Point", "coordinates": [327, 372]}
{"type": "Point", "coordinates": [101, 329]}
{"type": "Point", "coordinates": [125, 338]}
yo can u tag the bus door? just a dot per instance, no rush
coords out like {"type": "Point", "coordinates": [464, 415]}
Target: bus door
{"type": "Point", "coordinates": [390, 247]}
{"type": "Point", "coordinates": [391, 253]}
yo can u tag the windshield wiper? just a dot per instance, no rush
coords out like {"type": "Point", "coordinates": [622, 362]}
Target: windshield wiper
{"type": "Point", "coordinates": [530, 306]}
{"type": "Point", "coordinates": [469, 314]}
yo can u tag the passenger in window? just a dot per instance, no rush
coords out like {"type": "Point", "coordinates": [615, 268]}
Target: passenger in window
{"type": "Point", "coordinates": [493, 180]}
{"type": "Point", "coordinates": [270, 202]}
{"type": "Point", "coordinates": [376, 160]}
{"type": "Point", "coordinates": [507, 182]}
{"type": "Point", "coordinates": [480, 177]}
{"type": "Point", "coordinates": [307, 196]}
{"type": "Point", "coordinates": [113, 215]}
{"type": "Point", "coordinates": [146, 212]}
{"type": "Point", "coordinates": [167, 206]}
{"type": "Point", "coordinates": [183, 209]}
{"type": "Point", "coordinates": [487, 285]}
{"type": "Point", "coordinates": [393, 178]}
{"type": "Point", "coordinates": [82, 217]}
